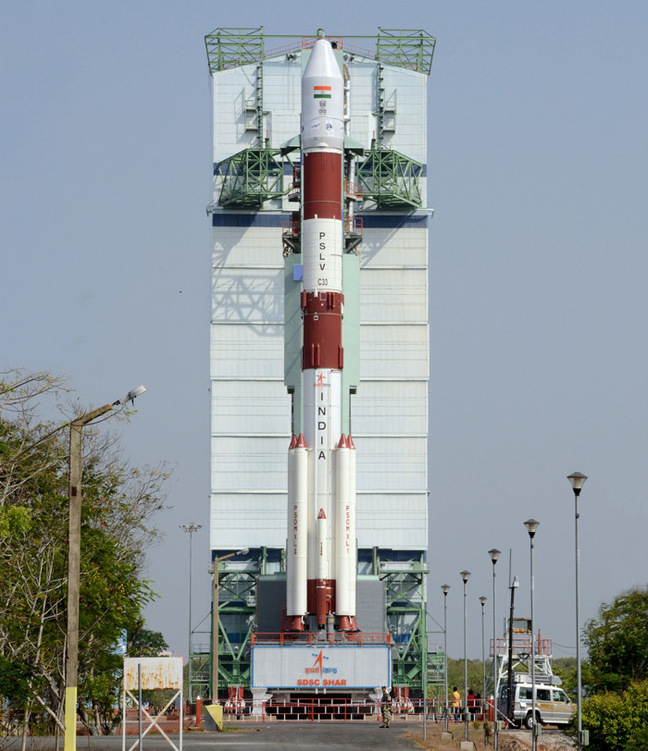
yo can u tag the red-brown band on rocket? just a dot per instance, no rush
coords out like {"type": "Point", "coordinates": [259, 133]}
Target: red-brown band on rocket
{"type": "Point", "coordinates": [322, 185]}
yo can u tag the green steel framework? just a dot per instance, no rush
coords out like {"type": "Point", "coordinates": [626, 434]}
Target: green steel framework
{"type": "Point", "coordinates": [405, 620]}
{"type": "Point", "coordinates": [391, 179]}
{"type": "Point", "coordinates": [412, 49]}
{"type": "Point", "coordinates": [250, 178]}
{"type": "Point", "coordinates": [255, 175]}
{"type": "Point", "coordinates": [406, 617]}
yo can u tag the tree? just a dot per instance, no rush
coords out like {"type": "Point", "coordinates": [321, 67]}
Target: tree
{"type": "Point", "coordinates": [617, 643]}
{"type": "Point", "coordinates": [119, 503]}
{"type": "Point", "coordinates": [146, 643]}
{"type": "Point", "coordinates": [617, 721]}
{"type": "Point", "coordinates": [475, 676]}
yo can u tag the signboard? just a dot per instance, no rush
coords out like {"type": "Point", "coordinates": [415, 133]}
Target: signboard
{"type": "Point", "coordinates": [157, 672]}
{"type": "Point", "coordinates": [319, 667]}
{"type": "Point", "coordinates": [153, 673]}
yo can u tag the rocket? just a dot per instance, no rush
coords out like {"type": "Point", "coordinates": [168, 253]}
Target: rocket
{"type": "Point", "coordinates": [321, 543]}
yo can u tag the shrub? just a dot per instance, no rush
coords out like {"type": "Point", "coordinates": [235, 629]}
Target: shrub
{"type": "Point", "coordinates": [617, 722]}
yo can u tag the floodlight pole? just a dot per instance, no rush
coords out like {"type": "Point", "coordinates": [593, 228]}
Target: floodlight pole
{"type": "Point", "coordinates": [190, 528]}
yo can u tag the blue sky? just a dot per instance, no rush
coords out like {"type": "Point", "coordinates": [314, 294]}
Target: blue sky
{"type": "Point", "coordinates": [537, 172]}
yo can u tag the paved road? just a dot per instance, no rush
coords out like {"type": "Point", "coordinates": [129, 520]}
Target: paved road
{"type": "Point", "coordinates": [329, 736]}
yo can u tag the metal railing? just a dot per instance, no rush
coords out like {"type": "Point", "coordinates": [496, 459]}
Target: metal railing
{"type": "Point", "coordinates": [328, 709]}
{"type": "Point", "coordinates": [522, 646]}
{"type": "Point", "coordinates": [337, 638]}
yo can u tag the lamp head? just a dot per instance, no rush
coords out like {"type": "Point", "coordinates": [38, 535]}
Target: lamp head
{"type": "Point", "coordinates": [494, 554]}
{"type": "Point", "coordinates": [131, 395]}
{"type": "Point", "coordinates": [191, 528]}
{"type": "Point", "coordinates": [465, 575]}
{"type": "Point", "coordinates": [577, 480]}
{"type": "Point", "coordinates": [482, 600]}
{"type": "Point", "coordinates": [531, 525]}
{"type": "Point", "coordinates": [445, 588]}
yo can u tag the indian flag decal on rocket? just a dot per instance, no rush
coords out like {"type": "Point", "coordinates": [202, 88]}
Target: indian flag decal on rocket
{"type": "Point", "coordinates": [321, 92]}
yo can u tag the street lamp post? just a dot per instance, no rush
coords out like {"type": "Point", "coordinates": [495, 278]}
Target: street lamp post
{"type": "Point", "coordinates": [482, 602]}
{"type": "Point", "coordinates": [577, 480]}
{"type": "Point", "coordinates": [74, 561]}
{"type": "Point", "coordinates": [465, 575]}
{"type": "Point", "coordinates": [215, 624]}
{"type": "Point", "coordinates": [532, 526]}
{"type": "Point", "coordinates": [494, 554]}
{"type": "Point", "coordinates": [191, 529]}
{"type": "Point", "coordinates": [445, 589]}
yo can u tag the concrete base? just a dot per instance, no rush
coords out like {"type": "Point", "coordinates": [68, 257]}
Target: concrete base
{"type": "Point", "coordinates": [446, 736]}
{"type": "Point", "coordinates": [467, 746]}
{"type": "Point", "coordinates": [259, 697]}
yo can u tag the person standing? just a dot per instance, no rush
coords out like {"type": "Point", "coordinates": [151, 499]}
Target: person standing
{"type": "Point", "coordinates": [471, 702]}
{"type": "Point", "coordinates": [385, 708]}
{"type": "Point", "coordinates": [456, 703]}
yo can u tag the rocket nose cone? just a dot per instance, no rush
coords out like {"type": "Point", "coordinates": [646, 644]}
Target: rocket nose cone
{"type": "Point", "coordinates": [322, 61]}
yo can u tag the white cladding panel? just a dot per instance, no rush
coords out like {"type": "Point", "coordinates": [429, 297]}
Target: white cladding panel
{"type": "Point", "coordinates": [400, 405]}
{"type": "Point", "coordinates": [233, 90]}
{"type": "Point", "coordinates": [245, 352]}
{"type": "Point", "coordinates": [393, 295]}
{"type": "Point", "coordinates": [394, 352]}
{"type": "Point", "coordinates": [391, 464]}
{"type": "Point", "coordinates": [258, 409]}
{"type": "Point", "coordinates": [247, 520]}
{"type": "Point", "coordinates": [281, 99]}
{"type": "Point", "coordinates": [250, 407]}
{"type": "Point", "coordinates": [401, 248]}
{"type": "Point", "coordinates": [248, 295]}
{"type": "Point", "coordinates": [250, 463]}
{"type": "Point", "coordinates": [245, 248]}
{"type": "Point", "coordinates": [363, 101]}
{"type": "Point", "coordinates": [392, 520]}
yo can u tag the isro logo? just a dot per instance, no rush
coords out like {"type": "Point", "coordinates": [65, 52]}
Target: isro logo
{"type": "Point", "coordinates": [318, 671]}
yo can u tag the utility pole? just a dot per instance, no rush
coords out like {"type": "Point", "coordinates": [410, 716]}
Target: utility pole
{"type": "Point", "coordinates": [74, 561]}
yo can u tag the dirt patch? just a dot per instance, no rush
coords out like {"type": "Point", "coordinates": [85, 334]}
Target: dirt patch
{"type": "Point", "coordinates": [520, 740]}
{"type": "Point", "coordinates": [509, 740]}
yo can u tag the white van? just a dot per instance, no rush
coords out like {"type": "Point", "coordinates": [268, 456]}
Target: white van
{"type": "Point", "coordinates": [553, 706]}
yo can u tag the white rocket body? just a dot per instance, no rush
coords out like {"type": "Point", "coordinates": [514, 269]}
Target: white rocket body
{"type": "Point", "coordinates": [321, 550]}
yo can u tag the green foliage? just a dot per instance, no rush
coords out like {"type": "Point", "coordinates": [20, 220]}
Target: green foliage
{"type": "Point", "coordinates": [617, 643]}
{"type": "Point", "coordinates": [14, 520]}
{"type": "Point", "coordinates": [617, 722]}
{"type": "Point", "coordinates": [475, 676]}
{"type": "Point", "coordinates": [14, 680]}
{"type": "Point", "coordinates": [638, 740]}
{"type": "Point", "coordinates": [565, 668]}
{"type": "Point", "coordinates": [145, 643]}
{"type": "Point", "coordinates": [118, 505]}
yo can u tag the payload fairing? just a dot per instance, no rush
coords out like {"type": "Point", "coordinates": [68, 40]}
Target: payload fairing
{"type": "Point", "coordinates": [321, 545]}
